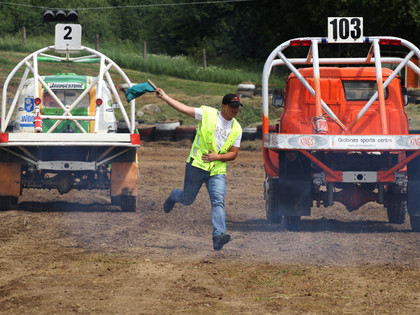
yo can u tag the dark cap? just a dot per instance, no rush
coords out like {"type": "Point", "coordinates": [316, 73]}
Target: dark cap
{"type": "Point", "coordinates": [232, 100]}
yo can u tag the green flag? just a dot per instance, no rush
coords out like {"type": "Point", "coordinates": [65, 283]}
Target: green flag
{"type": "Point", "coordinates": [138, 90]}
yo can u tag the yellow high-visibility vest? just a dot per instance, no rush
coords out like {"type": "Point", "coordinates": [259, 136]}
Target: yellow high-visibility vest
{"type": "Point", "coordinates": [205, 141]}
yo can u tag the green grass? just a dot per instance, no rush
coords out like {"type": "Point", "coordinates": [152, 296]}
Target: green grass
{"type": "Point", "coordinates": [413, 113]}
{"type": "Point", "coordinates": [191, 92]}
{"type": "Point", "coordinates": [130, 56]}
{"type": "Point", "coordinates": [15, 44]}
{"type": "Point", "coordinates": [180, 77]}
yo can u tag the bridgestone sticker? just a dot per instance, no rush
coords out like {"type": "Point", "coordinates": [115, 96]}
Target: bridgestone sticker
{"type": "Point", "coordinates": [66, 86]}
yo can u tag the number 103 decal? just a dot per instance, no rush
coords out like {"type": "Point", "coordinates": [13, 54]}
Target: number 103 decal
{"type": "Point", "coordinates": [345, 29]}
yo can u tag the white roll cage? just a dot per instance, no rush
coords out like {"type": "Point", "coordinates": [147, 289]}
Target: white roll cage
{"type": "Point", "coordinates": [277, 58]}
{"type": "Point", "coordinates": [31, 66]}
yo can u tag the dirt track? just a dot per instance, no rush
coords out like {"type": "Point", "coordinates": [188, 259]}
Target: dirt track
{"type": "Point", "coordinates": [77, 254]}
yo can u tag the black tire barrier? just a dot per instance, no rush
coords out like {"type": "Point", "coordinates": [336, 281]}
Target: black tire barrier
{"type": "Point", "coordinates": [182, 133]}
{"type": "Point", "coordinates": [249, 133]}
{"type": "Point", "coordinates": [165, 130]}
{"type": "Point", "coordinates": [271, 128]}
{"type": "Point", "coordinates": [147, 133]}
{"type": "Point", "coordinates": [178, 133]}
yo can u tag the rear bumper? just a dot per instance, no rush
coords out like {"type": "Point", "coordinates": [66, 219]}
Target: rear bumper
{"type": "Point", "coordinates": [277, 141]}
{"type": "Point", "coordinates": [70, 139]}
{"type": "Point", "coordinates": [405, 147]}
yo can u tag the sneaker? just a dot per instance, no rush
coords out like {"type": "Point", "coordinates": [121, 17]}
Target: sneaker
{"type": "Point", "coordinates": [220, 240]}
{"type": "Point", "coordinates": [168, 205]}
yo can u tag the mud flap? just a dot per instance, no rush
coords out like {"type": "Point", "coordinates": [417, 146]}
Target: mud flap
{"type": "Point", "coordinates": [10, 179]}
{"type": "Point", "coordinates": [124, 179]}
{"type": "Point", "coordinates": [295, 197]}
{"type": "Point", "coordinates": [413, 187]}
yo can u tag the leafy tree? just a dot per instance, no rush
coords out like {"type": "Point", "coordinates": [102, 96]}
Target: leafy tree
{"type": "Point", "coordinates": [229, 31]}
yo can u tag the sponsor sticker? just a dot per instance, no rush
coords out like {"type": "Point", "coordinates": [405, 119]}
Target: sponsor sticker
{"type": "Point", "coordinates": [27, 120]}
{"type": "Point", "coordinates": [306, 141]}
{"type": "Point", "coordinates": [363, 142]}
{"type": "Point", "coordinates": [29, 104]}
{"type": "Point", "coordinates": [414, 142]}
{"type": "Point", "coordinates": [66, 86]}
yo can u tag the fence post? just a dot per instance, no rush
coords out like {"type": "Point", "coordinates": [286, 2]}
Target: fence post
{"type": "Point", "coordinates": [97, 42]}
{"type": "Point", "coordinates": [24, 36]}
{"type": "Point", "coordinates": [204, 59]}
{"type": "Point", "coordinates": [144, 49]}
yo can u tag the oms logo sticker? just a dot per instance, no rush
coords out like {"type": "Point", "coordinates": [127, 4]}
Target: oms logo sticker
{"type": "Point", "coordinates": [29, 104]}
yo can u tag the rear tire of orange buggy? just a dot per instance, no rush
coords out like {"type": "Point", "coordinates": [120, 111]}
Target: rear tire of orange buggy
{"type": "Point", "coordinates": [415, 223]}
{"type": "Point", "coordinates": [291, 223]}
{"type": "Point", "coordinates": [397, 211]}
{"type": "Point", "coordinates": [272, 205]}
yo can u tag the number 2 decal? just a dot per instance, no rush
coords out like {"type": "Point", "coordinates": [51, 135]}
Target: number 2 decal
{"type": "Point", "coordinates": [342, 30]}
{"type": "Point", "coordinates": [67, 35]}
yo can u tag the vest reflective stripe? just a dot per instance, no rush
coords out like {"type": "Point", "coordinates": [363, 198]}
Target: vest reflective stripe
{"type": "Point", "coordinates": [205, 141]}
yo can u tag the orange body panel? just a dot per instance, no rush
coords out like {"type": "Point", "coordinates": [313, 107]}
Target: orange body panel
{"type": "Point", "coordinates": [10, 179]}
{"type": "Point", "coordinates": [299, 108]}
{"type": "Point", "coordinates": [412, 78]}
{"type": "Point", "coordinates": [124, 179]}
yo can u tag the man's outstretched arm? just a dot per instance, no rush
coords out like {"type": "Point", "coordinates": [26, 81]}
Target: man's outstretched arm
{"type": "Point", "coordinates": [180, 107]}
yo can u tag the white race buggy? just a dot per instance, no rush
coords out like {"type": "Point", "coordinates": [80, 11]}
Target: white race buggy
{"type": "Point", "coordinates": [60, 131]}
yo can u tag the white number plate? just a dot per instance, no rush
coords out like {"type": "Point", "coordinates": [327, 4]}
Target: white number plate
{"type": "Point", "coordinates": [68, 37]}
{"type": "Point", "coordinates": [345, 29]}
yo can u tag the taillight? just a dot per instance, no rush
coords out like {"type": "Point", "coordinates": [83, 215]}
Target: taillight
{"type": "Point", "coordinates": [37, 101]}
{"type": "Point", "coordinates": [99, 101]}
{"type": "Point", "coordinates": [303, 42]}
{"type": "Point", "coordinates": [393, 42]}
{"type": "Point", "coordinates": [4, 137]}
{"type": "Point", "coordinates": [135, 139]}
{"type": "Point", "coordinates": [295, 42]}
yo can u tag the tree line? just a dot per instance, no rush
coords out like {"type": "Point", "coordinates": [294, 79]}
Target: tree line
{"type": "Point", "coordinates": [227, 30]}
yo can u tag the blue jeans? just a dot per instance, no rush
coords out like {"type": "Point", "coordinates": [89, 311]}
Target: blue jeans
{"type": "Point", "coordinates": [216, 186]}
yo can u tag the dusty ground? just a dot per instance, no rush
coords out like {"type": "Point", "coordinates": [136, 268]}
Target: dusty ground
{"type": "Point", "coordinates": [77, 254]}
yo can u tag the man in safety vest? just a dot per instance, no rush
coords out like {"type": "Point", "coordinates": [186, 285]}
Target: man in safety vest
{"type": "Point", "coordinates": [217, 141]}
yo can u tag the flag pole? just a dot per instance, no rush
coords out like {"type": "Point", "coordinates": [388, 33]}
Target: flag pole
{"type": "Point", "coordinates": [153, 85]}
